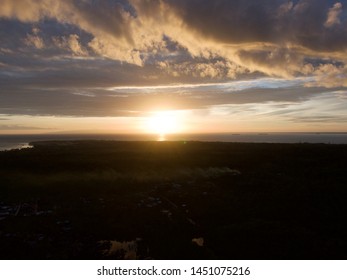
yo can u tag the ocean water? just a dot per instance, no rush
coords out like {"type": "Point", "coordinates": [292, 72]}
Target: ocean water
{"type": "Point", "coordinates": [326, 138]}
{"type": "Point", "coordinates": [8, 142]}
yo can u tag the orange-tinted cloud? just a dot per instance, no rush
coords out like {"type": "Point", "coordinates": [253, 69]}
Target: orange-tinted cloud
{"type": "Point", "coordinates": [75, 50]}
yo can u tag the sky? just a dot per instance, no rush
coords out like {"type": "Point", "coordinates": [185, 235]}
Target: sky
{"type": "Point", "coordinates": [173, 66]}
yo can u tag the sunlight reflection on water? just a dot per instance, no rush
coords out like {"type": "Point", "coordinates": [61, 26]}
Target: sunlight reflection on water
{"type": "Point", "coordinates": [161, 137]}
{"type": "Point", "coordinates": [198, 241]}
{"type": "Point", "coordinates": [13, 146]}
{"type": "Point", "coordinates": [125, 250]}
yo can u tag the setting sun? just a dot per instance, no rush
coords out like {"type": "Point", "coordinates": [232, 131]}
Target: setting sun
{"type": "Point", "coordinates": [164, 122]}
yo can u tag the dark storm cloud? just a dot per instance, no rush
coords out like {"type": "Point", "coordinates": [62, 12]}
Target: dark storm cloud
{"type": "Point", "coordinates": [110, 17]}
{"type": "Point", "coordinates": [273, 37]}
{"type": "Point", "coordinates": [302, 22]}
{"type": "Point", "coordinates": [227, 21]}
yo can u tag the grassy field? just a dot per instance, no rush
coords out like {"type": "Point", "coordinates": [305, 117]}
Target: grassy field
{"type": "Point", "coordinates": [173, 200]}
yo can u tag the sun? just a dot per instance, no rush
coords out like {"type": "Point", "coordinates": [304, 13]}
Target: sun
{"type": "Point", "coordinates": [163, 122]}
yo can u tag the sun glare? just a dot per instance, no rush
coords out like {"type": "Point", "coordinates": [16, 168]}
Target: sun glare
{"type": "Point", "coordinates": [163, 122]}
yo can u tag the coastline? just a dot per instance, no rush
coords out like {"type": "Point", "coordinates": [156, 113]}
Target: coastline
{"type": "Point", "coordinates": [9, 142]}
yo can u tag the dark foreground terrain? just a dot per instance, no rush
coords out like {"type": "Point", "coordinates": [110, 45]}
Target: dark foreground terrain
{"type": "Point", "coordinates": [173, 200]}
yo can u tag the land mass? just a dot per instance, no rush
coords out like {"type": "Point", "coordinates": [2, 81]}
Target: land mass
{"type": "Point", "coordinates": [173, 200]}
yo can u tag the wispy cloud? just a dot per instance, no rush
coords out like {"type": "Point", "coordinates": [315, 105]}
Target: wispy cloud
{"type": "Point", "coordinates": [270, 83]}
{"type": "Point", "coordinates": [19, 127]}
{"type": "Point", "coordinates": [333, 17]}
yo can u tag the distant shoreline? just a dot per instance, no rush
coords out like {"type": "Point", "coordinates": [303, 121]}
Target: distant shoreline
{"type": "Point", "coordinates": [9, 142]}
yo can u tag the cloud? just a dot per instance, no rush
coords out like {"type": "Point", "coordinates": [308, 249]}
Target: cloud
{"type": "Point", "coordinates": [19, 127]}
{"type": "Point", "coordinates": [71, 43]}
{"type": "Point", "coordinates": [127, 101]}
{"type": "Point", "coordinates": [204, 69]}
{"type": "Point", "coordinates": [284, 9]}
{"type": "Point", "coordinates": [329, 76]}
{"type": "Point", "coordinates": [333, 15]}
{"type": "Point", "coordinates": [63, 57]}
{"type": "Point", "coordinates": [35, 41]}
{"type": "Point", "coordinates": [276, 22]}
{"type": "Point", "coordinates": [319, 110]}
{"type": "Point", "coordinates": [108, 21]}
{"type": "Point", "coordinates": [276, 38]}
{"type": "Point", "coordinates": [24, 10]}
{"type": "Point", "coordinates": [250, 34]}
